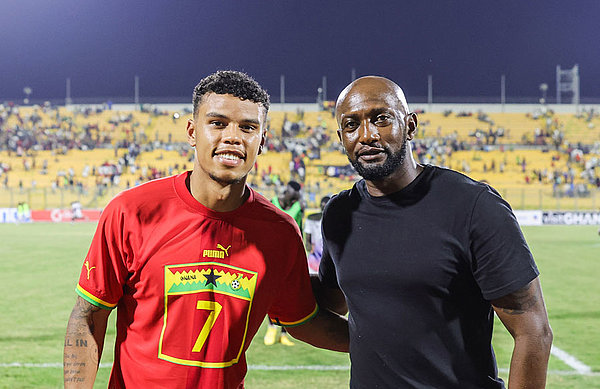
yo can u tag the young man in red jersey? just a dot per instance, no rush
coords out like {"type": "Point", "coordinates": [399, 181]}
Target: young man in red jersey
{"type": "Point", "coordinates": [194, 262]}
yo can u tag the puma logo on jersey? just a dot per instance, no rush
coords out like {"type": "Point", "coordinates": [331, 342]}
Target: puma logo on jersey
{"type": "Point", "coordinates": [87, 266]}
{"type": "Point", "coordinates": [224, 249]}
{"type": "Point", "coordinates": [221, 253]}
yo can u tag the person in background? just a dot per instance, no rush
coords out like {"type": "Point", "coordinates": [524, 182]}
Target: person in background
{"type": "Point", "coordinates": [76, 211]}
{"type": "Point", "coordinates": [23, 212]}
{"type": "Point", "coordinates": [289, 201]}
{"type": "Point", "coordinates": [313, 240]}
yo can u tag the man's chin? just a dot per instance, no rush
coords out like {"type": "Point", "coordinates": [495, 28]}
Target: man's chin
{"type": "Point", "coordinates": [228, 179]}
{"type": "Point", "coordinates": [373, 174]}
{"type": "Point", "coordinates": [376, 171]}
{"type": "Point", "coordinates": [370, 171]}
{"type": "Point", "coordinates": [369, 165]}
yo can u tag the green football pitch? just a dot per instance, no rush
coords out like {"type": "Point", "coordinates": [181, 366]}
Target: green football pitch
{"type": "Point", "coordinates": [40, 263]}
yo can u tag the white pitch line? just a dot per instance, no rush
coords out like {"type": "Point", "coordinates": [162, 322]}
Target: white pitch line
{"type": "Point", "coordinates": [42, 365]}
{"type": "Point", "coordinates": [299, 367]}
{"type": "Point", "coordinates": [505, 370]}
{"type": "Point", "coordinates": [570, 360]}
{"type": "Point", "coordinates": [250, 367]}
{"type": "Point", "coordinates": [287, 367]}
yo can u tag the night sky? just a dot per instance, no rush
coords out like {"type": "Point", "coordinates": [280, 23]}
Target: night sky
{"type": "Point", "coordinates": [171, 45]}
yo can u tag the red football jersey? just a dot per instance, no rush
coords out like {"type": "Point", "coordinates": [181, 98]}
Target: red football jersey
{"type": "Point", "coordinates": [192, 285]}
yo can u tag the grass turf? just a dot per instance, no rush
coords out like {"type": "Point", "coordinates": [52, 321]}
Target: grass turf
{"type": "Point", "coordinates": [40, 264]}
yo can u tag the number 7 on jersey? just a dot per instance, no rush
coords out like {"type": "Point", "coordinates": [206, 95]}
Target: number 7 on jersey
{"type": "Point", "coordinates": [215, 309]}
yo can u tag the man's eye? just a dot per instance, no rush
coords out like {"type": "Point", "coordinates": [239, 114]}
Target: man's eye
{"type": "Point", "coordinates": [350, 125]}
{"type": "Point", "coordinates": [248, 128]}
{"type": "Point", "coordinates": [217, 123]}
{"type": "Point", "coordinates": [382, 119]}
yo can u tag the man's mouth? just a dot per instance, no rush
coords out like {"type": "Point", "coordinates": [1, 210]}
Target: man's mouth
{"type": "Point", "coordinates": [369, 154]}
{"type": "Point", "coordinates": [230, 157]}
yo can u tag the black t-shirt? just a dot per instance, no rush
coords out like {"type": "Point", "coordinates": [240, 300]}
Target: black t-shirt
{"type": "Point", "coordinates": [418, 269]}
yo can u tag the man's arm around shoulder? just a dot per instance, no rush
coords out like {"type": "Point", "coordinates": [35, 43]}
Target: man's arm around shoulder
{"type": "Point", "coordinates": [329, 328]}
{"type": "Point", "coordinates": [326, 330]}
{"type": "Point", "coordinates": [524, 315]}
{"type": "Point", "coordinates": [327, 297]}
{"type": "Point", "coordinates": [83, 344]}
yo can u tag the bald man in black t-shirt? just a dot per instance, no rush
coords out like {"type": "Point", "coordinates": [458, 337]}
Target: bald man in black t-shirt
{"type": "Point", "coordinates": [422, 257]}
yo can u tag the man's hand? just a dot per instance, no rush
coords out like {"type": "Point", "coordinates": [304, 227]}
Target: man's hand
{"type": "Point", "coordinates": [328, 298]}
{"type": "Point", "coordinates": [83, 344]}
{"type": "Point", "coordinates": [524, 315]}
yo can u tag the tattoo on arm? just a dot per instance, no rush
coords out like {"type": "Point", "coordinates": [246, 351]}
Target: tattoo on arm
{"type": "Point", "coordinates": [83, 309]}
{"type": "Point", "coordinates": [72, 369]}
{"type": "Point", "coordinates": [83, 342]}
{"type": "Point", "coordinates": [517, 302]}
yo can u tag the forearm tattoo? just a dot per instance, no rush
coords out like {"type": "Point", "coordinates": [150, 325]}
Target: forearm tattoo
{"type": "Point", "coordinates": [80, 348]}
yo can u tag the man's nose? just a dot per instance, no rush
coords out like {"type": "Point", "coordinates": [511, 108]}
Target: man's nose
{"type": "Point", "coordinates": [368, 133]}
{"type": "Point", "coordinates": [232, 134]}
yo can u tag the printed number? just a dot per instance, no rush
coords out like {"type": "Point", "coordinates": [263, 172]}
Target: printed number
{"type": "Point", "coordinates": [215, 309]}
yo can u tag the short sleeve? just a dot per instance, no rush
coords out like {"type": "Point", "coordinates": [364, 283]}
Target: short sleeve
{"type": "Point", "coordinates": [501, 260]}
{"type": "Point", "coordinates": [104, 272]}
{"type": "Point", "coordinates": [295, 303]}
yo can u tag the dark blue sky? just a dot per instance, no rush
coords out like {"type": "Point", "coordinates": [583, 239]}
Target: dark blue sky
{"type": "Point", "coordinates": [171, 45]}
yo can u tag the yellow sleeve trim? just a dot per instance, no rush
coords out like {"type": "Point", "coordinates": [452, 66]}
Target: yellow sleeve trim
{"type": "Point", "coordinates": [301, 321]}
{"type": "Point", "coordinates": [93, 299]}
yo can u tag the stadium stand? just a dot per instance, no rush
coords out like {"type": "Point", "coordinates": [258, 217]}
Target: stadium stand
{"type": "Point", "coordinates": [50, 156]}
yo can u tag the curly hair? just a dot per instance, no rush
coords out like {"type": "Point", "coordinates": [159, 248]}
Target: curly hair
{"type": "Point", "coordinates": [234, 83]}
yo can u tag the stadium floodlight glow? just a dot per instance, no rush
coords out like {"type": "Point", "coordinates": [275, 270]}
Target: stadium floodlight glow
{"type": "Point", "coordinates": [567, 81]}
{"type": "Point", "coordinates": [544, 90]}
{"type": "Point", "coordinates": [27, 90]}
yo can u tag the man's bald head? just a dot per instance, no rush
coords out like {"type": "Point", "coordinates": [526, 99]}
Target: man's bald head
{"type": "Point", "coordinates": [372, 88]}
{"type": "Point", "coordinates": [375, 128]}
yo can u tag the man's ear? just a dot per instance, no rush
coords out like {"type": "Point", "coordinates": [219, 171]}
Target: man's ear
{"type": "Point", "coordinates": [339, 133]}
{"type": "Point", "coordinates": [191, 132]}
{"type": "Point", "coordinates": [412, 122]}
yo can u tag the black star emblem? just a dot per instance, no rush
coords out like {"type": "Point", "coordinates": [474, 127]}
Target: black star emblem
{"type": "Point", "coordinates": [211, 278]}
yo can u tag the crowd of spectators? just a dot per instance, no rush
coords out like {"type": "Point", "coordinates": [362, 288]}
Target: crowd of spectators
{"type": "Point", "coordinates": [574, 177]}
{"type": "Point", "coordinates": [49, 128]}
{"type": "Point", "coordinates": [573, 170]}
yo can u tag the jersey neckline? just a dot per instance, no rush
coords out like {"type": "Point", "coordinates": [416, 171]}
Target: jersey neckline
{"type": "Point", "coordinates": [184, 195]}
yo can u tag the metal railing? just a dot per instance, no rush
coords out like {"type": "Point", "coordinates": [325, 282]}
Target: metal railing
{"type": "Point", "coordinates": [547, 199]}
{"type": "Point", "coordinates": [48, 198]}
{"type": "Point", "coordinates": [517, 197]}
